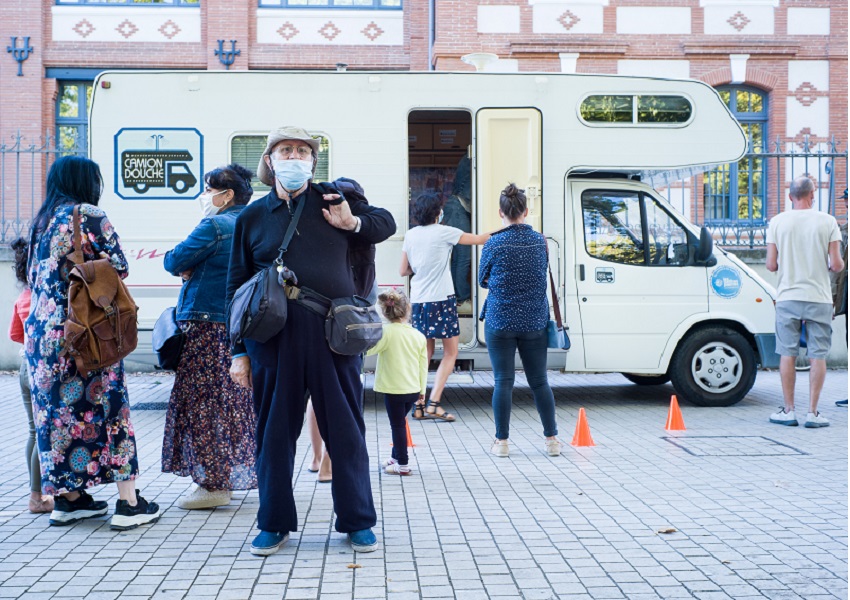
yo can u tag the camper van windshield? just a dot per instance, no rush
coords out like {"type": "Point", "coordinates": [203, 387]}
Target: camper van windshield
{"type": "Point", "coordinates": [636, 109]}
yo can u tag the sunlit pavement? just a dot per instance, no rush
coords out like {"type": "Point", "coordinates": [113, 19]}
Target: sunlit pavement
{"type": "Point", "coordinates": [749, 509]}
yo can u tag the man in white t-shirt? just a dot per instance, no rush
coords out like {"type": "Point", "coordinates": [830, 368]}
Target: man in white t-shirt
{"type": "Point", "coordinates": [803, 245]}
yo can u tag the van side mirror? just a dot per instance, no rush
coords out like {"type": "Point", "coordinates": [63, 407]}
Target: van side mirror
{"type": "Point", "coordinates": [705, 250]}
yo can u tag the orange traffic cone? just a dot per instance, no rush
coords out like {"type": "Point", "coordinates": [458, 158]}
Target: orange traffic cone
{"type": "Point", "coordinates": [675, 422]}
{"type": "Point", "coordinates": [410, 443]}
{"type": "Point", "coordinates": [582, 435]}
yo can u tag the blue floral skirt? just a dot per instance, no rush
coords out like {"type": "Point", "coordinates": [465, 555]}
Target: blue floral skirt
{"type": "Point", "coordinates": [436, 320]}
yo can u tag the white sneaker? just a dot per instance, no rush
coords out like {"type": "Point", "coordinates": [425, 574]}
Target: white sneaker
{"type": "Point", "coordinates": [785, 418]}
{"type": "Point", "coordinates": [816, 420]}
{"type": "Point", "coordinates": [203, 498]}
{"type": "Point", "coordinates": [500, 448]}
{"type": "Point", "coordinates": [553, 447]}
{"type": "Point", "coordinates": [389, 461]}
{"type": "Point", "coordinates": [465, 307]}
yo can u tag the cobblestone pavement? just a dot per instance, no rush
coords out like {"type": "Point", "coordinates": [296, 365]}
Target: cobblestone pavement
{"type": "Point", "coordinates": [754, 509]}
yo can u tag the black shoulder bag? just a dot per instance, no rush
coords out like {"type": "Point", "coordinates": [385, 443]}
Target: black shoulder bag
{"type": "Point", "coordinates": [258, 310]}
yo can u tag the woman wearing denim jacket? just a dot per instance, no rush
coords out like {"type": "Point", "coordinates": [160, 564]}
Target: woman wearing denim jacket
{"type": "Point", "coordinates": [513, 267]}
{"type": "Point", "coordinates": [209, 427]}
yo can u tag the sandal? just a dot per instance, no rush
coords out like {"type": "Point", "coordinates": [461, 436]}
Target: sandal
{"type": "Point", "coordinates": [435, 411]}
{"type": "Point", "coordinates": [419, 411]}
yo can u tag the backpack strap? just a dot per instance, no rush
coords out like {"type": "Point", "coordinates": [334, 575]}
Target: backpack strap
{"type": "Point", "coordinates": [290, 231]}
{"type": "Point", "coordinates": [77, 256]}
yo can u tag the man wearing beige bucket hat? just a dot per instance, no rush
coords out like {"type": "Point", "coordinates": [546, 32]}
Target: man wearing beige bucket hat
{"type": "Point", "coordinates": [298, 362]}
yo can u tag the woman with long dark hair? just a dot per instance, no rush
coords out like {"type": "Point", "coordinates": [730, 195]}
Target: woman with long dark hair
{"type": "Point", "coordinates": [513, 267]}
{"type": "Point", "coordinates": [82, 419]}
{"type": "Point", "coordinates": [209, 426]}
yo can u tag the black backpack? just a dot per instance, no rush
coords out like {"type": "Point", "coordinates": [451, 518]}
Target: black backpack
{"type": "Point", "coordinates": [361, 254]}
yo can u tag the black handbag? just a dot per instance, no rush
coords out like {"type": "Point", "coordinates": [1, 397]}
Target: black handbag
{"type": "Point", "coordinates": [352, 326]}
{"type": "Point", "coordinates": [258, 309]}
{"type": "Point", "coordinates": [167, 339]}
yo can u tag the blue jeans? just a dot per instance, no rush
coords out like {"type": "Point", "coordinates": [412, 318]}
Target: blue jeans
{"type": "Point", "coordinates": [502, 347]}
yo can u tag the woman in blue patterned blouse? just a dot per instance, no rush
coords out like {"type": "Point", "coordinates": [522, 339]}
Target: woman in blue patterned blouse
{"type": "Point", "coordinates": [513, 267]}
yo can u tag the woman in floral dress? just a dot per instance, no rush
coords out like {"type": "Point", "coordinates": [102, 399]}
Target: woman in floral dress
{"type": "Point", "coordinates": [83, 429]}
{"type": "Point", "coordinates": [210, 423]}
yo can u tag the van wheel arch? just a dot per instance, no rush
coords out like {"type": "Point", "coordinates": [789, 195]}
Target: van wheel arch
{"type": "Point", "coordinates": [693, 371]}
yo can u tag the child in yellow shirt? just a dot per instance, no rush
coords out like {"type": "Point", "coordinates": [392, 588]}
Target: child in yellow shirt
{"type": "Point", "coordinates": [401, 374]}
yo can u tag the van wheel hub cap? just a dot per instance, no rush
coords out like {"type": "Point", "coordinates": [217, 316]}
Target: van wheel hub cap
{"type": "Point", "coordinates": [717, 368]}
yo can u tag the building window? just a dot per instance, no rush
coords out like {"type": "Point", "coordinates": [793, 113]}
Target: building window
{"type": "Point", "coordinates": [246, 150]}
{"type": "Point", "coordinates": [640, 110]}
{"type": "Point", "coordinates": [736, 192]}
{"type": "Point", "coordinates": [369, 4]}
{"type": "Point", "coordinates": [72, 109]}
{"type": "Point", "coordinates": [131, 2]}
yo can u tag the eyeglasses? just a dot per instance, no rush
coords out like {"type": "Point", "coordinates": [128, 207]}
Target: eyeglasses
{"type": "Point", "coordinates": [302, 151]}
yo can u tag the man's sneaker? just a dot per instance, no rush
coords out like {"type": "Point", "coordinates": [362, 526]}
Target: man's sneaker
{"type": "Point", "coordinates": [129, 517]}
{"type": "Point", "coordinates": [841, 403]}
{"type": "Point", "coordinates": [784, 418]}
{"type": "Point", "coordinates": [389, 461]}
{"type": "Point", "coordinates": [363, 541]}
{"type": "Point", "coordinates": [397, 469]}
{"type": "Point", "coordinates": [816, 419]}
{"type": "Point", "coordinates": [500, 448]}
{"type": "Point", "coordinates": [66, 512]}
{"type": "Point", "coordinates": [204, 498]}
{"type": "Point", "coordinates": [268, 542]}
{"type": "Point", "coordinates": [553, 447]}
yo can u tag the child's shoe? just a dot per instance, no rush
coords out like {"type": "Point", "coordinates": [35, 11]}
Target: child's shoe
{"type": "Point", "coordinates": [397, 469]}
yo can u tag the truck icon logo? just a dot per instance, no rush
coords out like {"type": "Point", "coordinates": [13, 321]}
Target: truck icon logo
{"type": "Point", "coordinates": [158, 163]}
{"type": "Point", "coordinates": [604, 275]}
{"type": "Point", "coordinates": [145, 169]}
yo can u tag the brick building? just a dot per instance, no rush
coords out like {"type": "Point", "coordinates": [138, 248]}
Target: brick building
{"type": "Point", "coordinates": [782, 64]}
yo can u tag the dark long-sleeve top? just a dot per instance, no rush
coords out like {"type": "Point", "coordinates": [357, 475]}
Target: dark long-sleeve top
{"type": "Point", "coordinates": [318, 252]}
{"type": "Point", "coordinates": [513, 267]}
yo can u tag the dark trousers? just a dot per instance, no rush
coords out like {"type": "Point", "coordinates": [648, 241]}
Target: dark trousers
{"type": "Point", "coordinates": [398, 405]}
{"type": "Point", "coordinates": [292, 365]}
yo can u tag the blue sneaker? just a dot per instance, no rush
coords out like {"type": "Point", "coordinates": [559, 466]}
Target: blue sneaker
{"type": "Point", "coordinates": [268, 542]}
{"type": "Point", "coordinates": [363, 541]}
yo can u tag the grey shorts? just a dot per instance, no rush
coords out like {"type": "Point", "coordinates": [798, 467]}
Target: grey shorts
{"type": "Point", "coordinates": [789, 317]}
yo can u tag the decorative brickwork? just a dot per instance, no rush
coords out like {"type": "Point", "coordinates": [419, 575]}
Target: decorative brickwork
{"type": "Point", "coordinates": [126, 29]}
{"type": "Point", "coordinates": [568, 20]}
{"type": "Point", "coordinates": [738, 21]}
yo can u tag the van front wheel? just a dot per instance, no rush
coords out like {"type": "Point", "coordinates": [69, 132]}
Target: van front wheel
{"type": "Point", "coordinates": [714, 366]}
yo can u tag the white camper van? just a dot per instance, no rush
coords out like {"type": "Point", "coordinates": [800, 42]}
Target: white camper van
{"type": "Point", "coordinates": [642, 289]}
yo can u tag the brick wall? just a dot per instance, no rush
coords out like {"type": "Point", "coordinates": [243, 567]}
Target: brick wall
{"type": "Point", "coordinates": [28, 103]}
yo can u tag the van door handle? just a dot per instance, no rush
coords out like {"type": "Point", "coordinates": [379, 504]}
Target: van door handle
{"type": "Point", "coordinates": [581, 272]}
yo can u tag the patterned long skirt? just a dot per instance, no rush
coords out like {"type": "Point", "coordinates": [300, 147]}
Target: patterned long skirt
{"type": "Point", "coordinates": [210, 424]}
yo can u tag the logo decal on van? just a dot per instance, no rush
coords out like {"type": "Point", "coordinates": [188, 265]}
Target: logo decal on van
{"type": "Point", "coordinates": [726, 282]}
{"type": "Point", "coordinates": [159, 163]}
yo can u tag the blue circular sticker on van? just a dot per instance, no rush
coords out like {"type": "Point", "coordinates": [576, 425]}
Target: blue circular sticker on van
{"type": "Point", "coordinates": [726, 282]}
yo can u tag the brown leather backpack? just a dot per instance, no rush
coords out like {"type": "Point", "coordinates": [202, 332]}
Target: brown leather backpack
{"type": "Point", "coordinates": [101, 326]}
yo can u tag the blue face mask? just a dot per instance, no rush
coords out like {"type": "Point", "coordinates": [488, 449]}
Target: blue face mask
{"type": "Point", "coordinates": [292, 174]}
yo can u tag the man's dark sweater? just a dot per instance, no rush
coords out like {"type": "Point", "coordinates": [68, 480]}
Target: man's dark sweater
{"type": "Point", "coordinates": [318, 252]}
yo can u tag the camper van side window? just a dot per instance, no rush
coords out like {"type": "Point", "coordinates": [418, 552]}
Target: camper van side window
{"type": "Point", "coordinates": [612, 226]}
{"type": "Point", "coordinates": [246, 150]}
{"type": "Point", "coordinates": [607, 109]}
{"type": "Point", "coordinates": [636, 109]}
{"type": "Point", "coordinates": [663, 109]}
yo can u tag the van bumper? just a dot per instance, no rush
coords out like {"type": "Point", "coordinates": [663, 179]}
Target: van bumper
{"type": "Point", "coordinates": [766, 344]}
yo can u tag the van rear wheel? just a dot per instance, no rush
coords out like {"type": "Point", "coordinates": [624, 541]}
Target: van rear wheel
{"type": "Point", "coordinates": [647, 379]}
{"type": "Point", "coordinates": [714, 366]}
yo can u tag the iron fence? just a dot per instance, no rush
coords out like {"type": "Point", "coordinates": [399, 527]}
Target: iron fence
{"type": "Point", "coordinates": [24, 164]}
{"type": "Point", "coordinates": [737, 209]}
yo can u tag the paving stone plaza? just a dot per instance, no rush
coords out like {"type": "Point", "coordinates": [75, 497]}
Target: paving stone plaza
{"type": "Point", "coordinates": [750, 509]}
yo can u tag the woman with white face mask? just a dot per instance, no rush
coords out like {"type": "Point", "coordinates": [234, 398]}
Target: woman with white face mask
{"type": "Point", "coordinates": [209, 427]}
